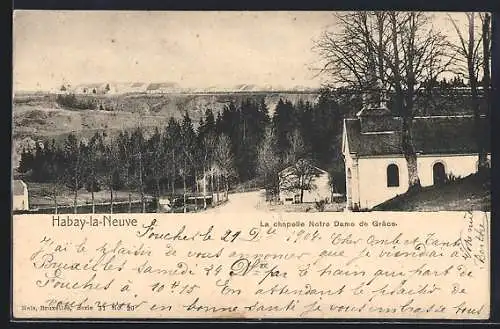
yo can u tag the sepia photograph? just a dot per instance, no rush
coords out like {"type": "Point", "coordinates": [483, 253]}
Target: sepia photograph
{"type": "Point", "coordinates": [294, 125]}
{"type": "Point", "coordinates": [318, 111]}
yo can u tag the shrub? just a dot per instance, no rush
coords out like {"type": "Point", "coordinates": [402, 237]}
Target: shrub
{"type": "Point", "coordinates": [320, 205]}
{"type": "Point", "coordinates": [81, 103]}
{"type": "Point", "coordinates": [451, 178]}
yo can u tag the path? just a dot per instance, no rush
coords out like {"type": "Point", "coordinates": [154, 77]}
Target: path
{"type": "Point", "coordinates": [241, 203]}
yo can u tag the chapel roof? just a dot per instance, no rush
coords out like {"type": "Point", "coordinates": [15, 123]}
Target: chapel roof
{"type": "Point", "coordinates": [289, 170]}
{"type": "Point", "coordinates": [431, 135]}
{"type": "Point", "coordinates": [377, 111]}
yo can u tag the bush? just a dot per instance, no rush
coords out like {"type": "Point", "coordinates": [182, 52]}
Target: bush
{"type": "Point", "coordinates": [320, 205]}
{"type": "Point", "coordinates": [451, 178]}
{"type": "Point", "coordinates": [81, 103]}
{"type": "Point", "coordinates": [92, 186]}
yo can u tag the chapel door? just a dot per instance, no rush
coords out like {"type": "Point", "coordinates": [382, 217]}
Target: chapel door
{"type": "Point", "coordinates": [438, 173]}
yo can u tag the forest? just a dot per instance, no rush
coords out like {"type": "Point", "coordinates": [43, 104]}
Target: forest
{"type": "Point", "coordinates": [231, 147]}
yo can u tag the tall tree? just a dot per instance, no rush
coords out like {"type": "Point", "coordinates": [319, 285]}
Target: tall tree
{"type": "Point", "coordinates": [296, 147]}
{"type": "Point", "coordinates": [224, 159]}
{"type": "Point", "coordinates": [110, 165]}
{"type": "Point", "coordinates": [377, 52]}
{"type": "Point", "coordinates": [188, 145]}
{"type": "Point", "coordinates": [471, 61]}
{"type": "Point", "coordinates": [138, 147]}
{"type": "Point", "coordinates": [285, 121]}
{"type": "Point", "coordinates": [486, 38]}
{"type": "Point", "coordinates": [269, 163]}
{"type": "Point", "coordinates": [155, 162]}
{"type": "Point", "coordinates": [73, 173]}
{"type": "Point", "coordinates": [126, 158]}
{"type": "Point", "coordinates": [92, 163]}
{"type": "Point", "coordinates": [207, 143]}
{"type": "Point", "coordinates": [55, 171]}
{"type": "Point", "coordinates": [172, 138]}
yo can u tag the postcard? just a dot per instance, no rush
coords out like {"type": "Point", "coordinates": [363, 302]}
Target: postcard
{"type": "Point", "coordinates": [251, 165]}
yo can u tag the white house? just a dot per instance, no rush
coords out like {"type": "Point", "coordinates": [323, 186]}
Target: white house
{"type": "Point", "coordinates": [19, 195]}
{"type": "Point", "coordinates": [91, 88]}
{"type": "Point", "coordinates": [127, 87]}
{"type": "Point", "coordinates": [376, 169]}
{"type": "Point", "coordinates": [320, 190]}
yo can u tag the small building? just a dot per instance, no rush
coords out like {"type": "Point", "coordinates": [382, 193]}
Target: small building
{"type": "Point", "coordinates": [289, 192]}
{"type": "Point", "coordinates": [162, 88]}
{"type": "Point", "coordinates": [165, 204]}
{"type": "Point", "coordinates": [19, 195]}
{"type": "Point", "coordinates": [375, 166]}
{"type": "Point", "coordinates": [127, 87]}
{"type": "Point", "coordinates": [92, 88]}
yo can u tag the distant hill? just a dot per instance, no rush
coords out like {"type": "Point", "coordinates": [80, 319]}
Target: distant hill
{"type": "Point", "coordinates": [120, 88]}
{"type": "Point", "coordinates": [39, 116]}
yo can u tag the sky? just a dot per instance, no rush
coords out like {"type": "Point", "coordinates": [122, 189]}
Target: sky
{"type": "Point", "coordinates": [193, 49]}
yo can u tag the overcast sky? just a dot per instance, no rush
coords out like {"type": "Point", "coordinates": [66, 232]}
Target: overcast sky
{"type": "Point", "coordinates": [194, 49]}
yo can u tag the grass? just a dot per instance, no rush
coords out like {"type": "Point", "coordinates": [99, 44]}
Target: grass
{"type": "Point", "coordinates": [41, 196]}
{"type": "Point", "coordinates": [469, 193]}
{"type": "Point", "coordinates": [41, 200]}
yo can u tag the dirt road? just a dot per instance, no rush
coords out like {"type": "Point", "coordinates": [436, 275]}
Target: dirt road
{"type": "Point", "coordinates": [241, 203]}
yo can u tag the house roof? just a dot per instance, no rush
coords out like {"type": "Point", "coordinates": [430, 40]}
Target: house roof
{"type": "Point", "coordinates": [90, 85]}
{"type": "Point", "coordinates": [431, 135]}
{"type": "Point", "coordinates": [374, 111]}
{"type": "Point", "coordinates": [18, 187]}
{"type": "Point", "coordinates": [318, 171]}
{"type": "Point", "coordinates": [161, 85]}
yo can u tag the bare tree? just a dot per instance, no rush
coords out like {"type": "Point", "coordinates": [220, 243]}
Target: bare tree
{"type": "Point", "coordinates": [298, 177]}
{"type": "Point", "coordinates": [156, 160]}
{"type": "Point", "coordinates": [297, 147]}
{"type": "Point", "coordinates": [93, 155]}
{"type": "Point", "coordinates": [126, 159]}
{"type": "Point", "coordinates": [471, 61]}
{"type": "Point", "coordinates": [268, 162]}
{"type": "Point", "coordinates": [486, 38]}
{"type": "Point", "coordinates": [111, 166]}
{"type": "Point", "coordinates": [173, 150]}
{"type": "Point", "coordinates": [224, 160]}
{"type": "Point", "coordinates": [379, 52]}
{"type": "Point", "coordinates": [138, 163]}
{"type": "Point", "coordinates": [207, 160]}
{"type": "Point", "coordinates": [73, 173]}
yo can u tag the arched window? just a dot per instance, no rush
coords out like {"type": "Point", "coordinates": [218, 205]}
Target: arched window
{"type": "Point", "coordinates": [438, 173]}
{"type": "Point", "coordinates": [392, 175]}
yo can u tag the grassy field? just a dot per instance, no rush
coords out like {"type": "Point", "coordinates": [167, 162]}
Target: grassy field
{"type": "Point", "coordinates": [41, 200]}
{"type": "Point", "coordinates": [469, 193]}
{"type": "Point", "coordinates": [41, 196]}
